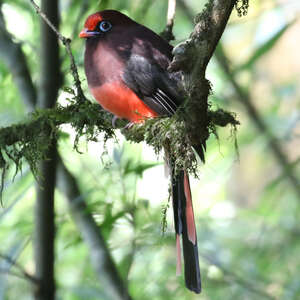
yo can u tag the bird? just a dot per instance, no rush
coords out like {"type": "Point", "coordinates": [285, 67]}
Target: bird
{"type": "Point", "coordinates": [126, 68]}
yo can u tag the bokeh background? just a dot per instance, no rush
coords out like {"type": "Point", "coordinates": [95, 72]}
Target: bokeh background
{"type": "Point", "coordinates": [247, 200]}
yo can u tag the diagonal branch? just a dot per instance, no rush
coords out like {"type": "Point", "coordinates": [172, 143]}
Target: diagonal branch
{"type": "Point", "coordinates": [12, 55]}
{"type": "Point", "coordinates": [193, 55]}
{"type": "Point", "coordinates": [100, 256]}
{"type": "Point", "coordinates": [230, 275]}
{"type": "Point", "coordinates": [22, 272]}
{"type": "Point", "coordinates": [261, 126]}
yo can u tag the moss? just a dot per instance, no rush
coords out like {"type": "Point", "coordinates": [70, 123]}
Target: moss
{"type": "Point", "coordinates": [31, 139]}
{"type": "Point", "coordinates": [173, 134]}
{"type": "Point", "coordinates": [222, 118]}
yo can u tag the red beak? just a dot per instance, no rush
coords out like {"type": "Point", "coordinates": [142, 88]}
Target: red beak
{"type": "Point", "coordinates": [85, 33]}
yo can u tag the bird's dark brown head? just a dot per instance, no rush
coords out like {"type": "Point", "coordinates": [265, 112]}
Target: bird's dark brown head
{"type": "Point", "coordinates": [102, 22]}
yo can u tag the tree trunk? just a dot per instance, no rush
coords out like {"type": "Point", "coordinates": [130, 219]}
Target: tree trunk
{"type": "Point", "coordinates": [44, 212]}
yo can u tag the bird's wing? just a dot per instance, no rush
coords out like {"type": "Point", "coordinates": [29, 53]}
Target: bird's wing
{"type": "Point", "coordinates": [154, 86]}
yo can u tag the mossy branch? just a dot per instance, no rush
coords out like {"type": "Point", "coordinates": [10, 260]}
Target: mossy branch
{"type": "Point", "coordinates": [31, 139]}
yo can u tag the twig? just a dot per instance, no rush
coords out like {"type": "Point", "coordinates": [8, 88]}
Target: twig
{"type": "Point", "coordinates": [15, 274]}
{"type": "Point", "coordinates": [24, 274]}
{"type": "Point", "coordinates": [12, 55]}
{"type": "Point", "coordinates": [246, 101]}
{"type": "Point", "coordinates": [167, 34]}
{"type": "Point", "coordinates": [67, 43]}
{"type": "Point", "coordinates": [171, 12]}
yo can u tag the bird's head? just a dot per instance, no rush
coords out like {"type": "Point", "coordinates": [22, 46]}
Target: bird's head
{"type": "Point", "coordinates": [100, 23]}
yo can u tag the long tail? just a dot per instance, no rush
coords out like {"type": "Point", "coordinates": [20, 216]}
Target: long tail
{"type": "Point", "coordinates": [185, 226]}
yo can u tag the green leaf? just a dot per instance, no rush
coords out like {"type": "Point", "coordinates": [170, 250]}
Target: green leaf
{"type": "Point", "coordinates": [263, 49]}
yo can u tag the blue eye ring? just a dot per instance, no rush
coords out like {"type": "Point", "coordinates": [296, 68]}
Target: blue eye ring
{"type": "Point", "coordinates": [105, 26]}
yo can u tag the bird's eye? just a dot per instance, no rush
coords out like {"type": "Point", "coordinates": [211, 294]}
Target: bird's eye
{"type": "Point", "coordinates": [105, 26]}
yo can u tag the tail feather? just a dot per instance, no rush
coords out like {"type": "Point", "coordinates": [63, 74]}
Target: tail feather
{"type": "Point", "coordinates": [189, 212]}
{"type": "Point", "coordinates": [185, 226]}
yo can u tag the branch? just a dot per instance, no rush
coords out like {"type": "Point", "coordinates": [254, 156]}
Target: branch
{"type": "Point", "coordinates": [193, 55]}
{"type": "Point", "coordinates": [79, 116]}
{"type": "Point", "coordinates": [101, 259]}
{"type": "Point", "coordinates": [254, 115]}
{"type": "Point", "coordinates": [246, 101]}
{"type": "Point", "coordinates": [23, 273]}
{"type": "Point", "coordinates": [12, 55]}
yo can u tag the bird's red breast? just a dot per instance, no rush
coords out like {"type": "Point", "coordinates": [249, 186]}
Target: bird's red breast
{"type": "Point", "coordinates": [122, 102]}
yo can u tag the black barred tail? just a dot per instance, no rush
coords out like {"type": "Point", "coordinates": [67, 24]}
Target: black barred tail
{"type": "Point", "coordinates": [185, 226]}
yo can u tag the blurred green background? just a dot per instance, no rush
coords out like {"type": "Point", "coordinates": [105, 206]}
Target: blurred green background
{"type": "Point", "coordinates": [247, 204]}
